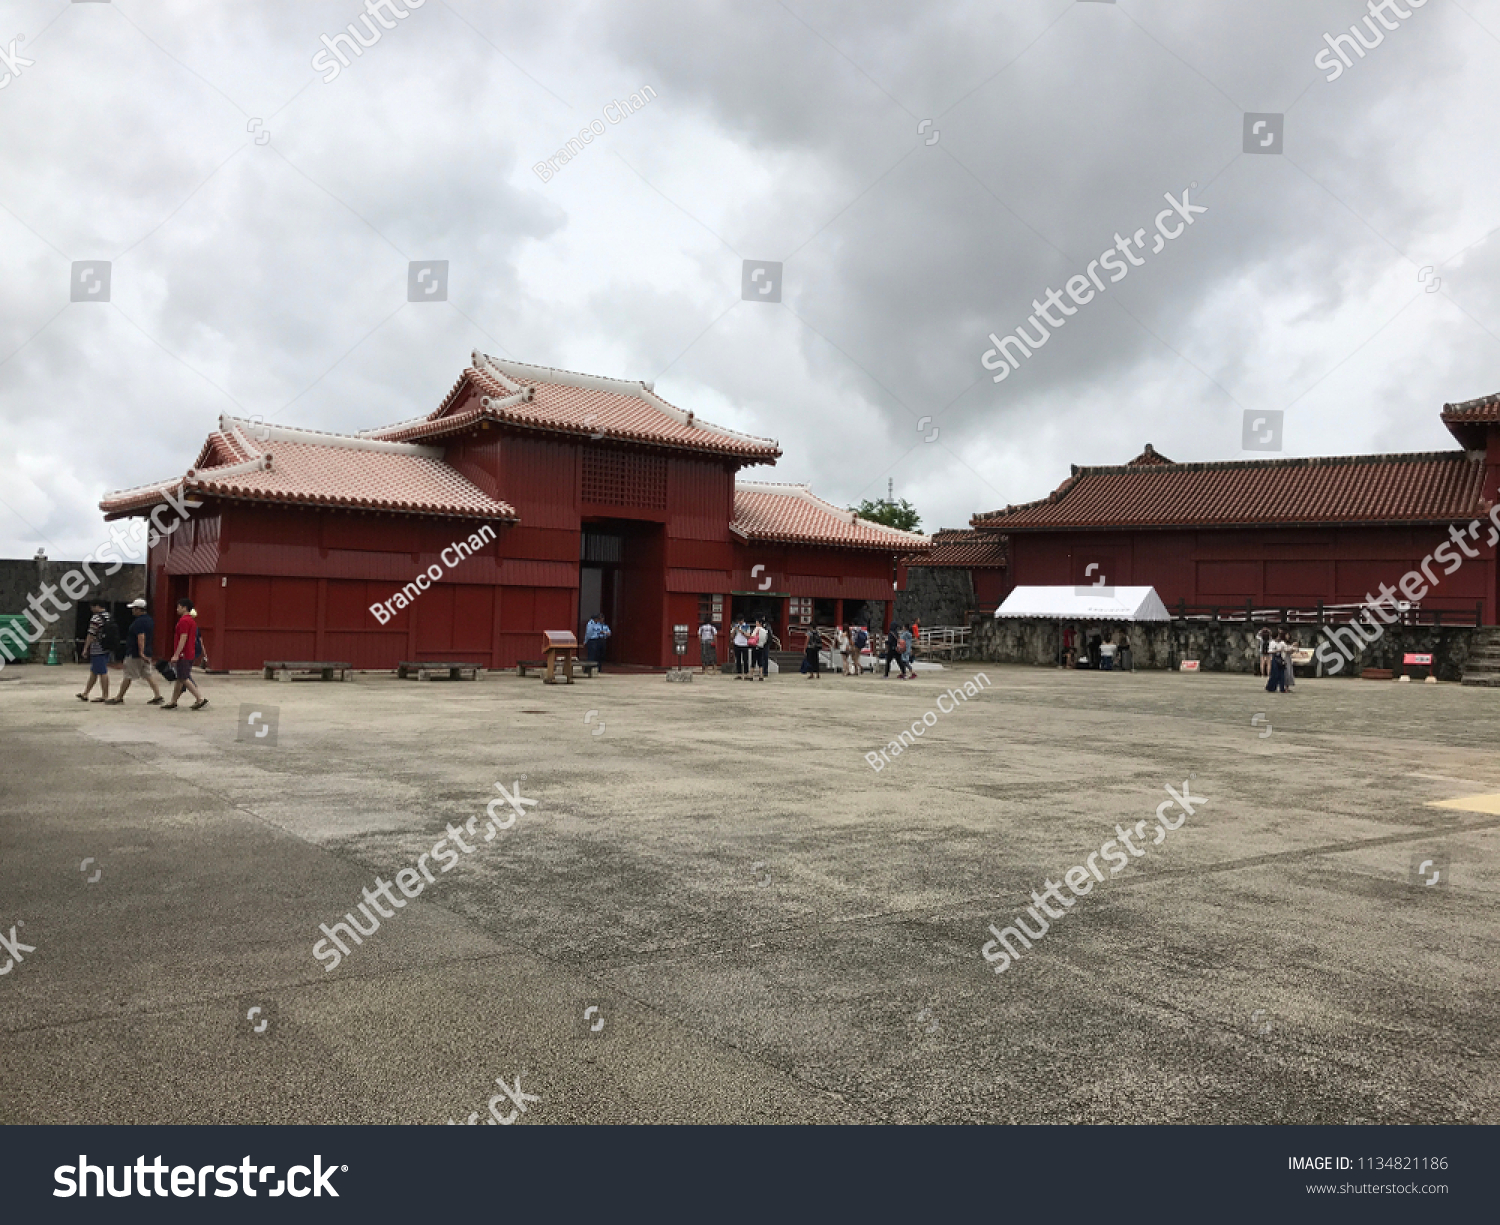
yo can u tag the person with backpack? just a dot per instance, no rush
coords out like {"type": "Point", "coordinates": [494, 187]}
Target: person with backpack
{"type": "Point", "coordinates": [812, 660]}
{"type": "Point", "coordinates": [861, 641]}
{"type": "Point", "coordinates": [893, 653]}
{"type": "Point", "coordinates": [188, 649]}
{"type": "Point", "coordinates": [99, 647]}
{"type": "Point", "coordinates": [138, 655]}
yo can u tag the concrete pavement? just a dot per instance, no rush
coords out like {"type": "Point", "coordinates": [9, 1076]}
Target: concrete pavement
{"type": "Point", "coordinates": [770, 930]}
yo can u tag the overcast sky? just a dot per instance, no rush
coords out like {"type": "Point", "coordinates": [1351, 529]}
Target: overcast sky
{"type": "Point", "coordinates": [1347, 277]}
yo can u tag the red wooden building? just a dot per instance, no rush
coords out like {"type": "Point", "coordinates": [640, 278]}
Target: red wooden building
{"type": "Point", "coordinates": [1278, 533]}
{"type": "Point", "coordinates": [528, 500]}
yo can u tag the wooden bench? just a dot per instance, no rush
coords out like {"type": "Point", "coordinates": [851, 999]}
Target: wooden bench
{"type": "Point", "coordinates": [315, 670]}
{"type": "Point", "coordinates": [587, 666]}
{"type": "Point", "coordinates": [425, 670]}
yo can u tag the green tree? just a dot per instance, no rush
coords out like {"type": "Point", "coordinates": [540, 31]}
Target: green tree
{"type": "Point", "coordinates": [902, 515]}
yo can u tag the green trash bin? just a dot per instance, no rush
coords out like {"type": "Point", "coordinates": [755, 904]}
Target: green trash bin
{"type": "Point", "coordinates": [10, 643]}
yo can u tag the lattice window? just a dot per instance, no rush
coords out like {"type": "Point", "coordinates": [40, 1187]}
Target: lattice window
{"type": "Point", "coordinates": [624, 478]}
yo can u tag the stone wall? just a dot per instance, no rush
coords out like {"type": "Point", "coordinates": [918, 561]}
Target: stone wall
{"type": "Point", "coordinates": [22, 578]}
{"type": "Point", "coordinates": [1221, 646]}
{"type": "Point", "coordinates": [935, 595]}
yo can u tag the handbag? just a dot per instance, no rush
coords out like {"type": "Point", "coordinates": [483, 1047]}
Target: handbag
{"type": "Point", "coordinates": [168, 672]}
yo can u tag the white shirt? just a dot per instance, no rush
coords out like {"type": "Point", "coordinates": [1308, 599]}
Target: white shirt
{"type": "Point", "coordinates": [739, 638]}
{"type": "Point", "coordinates": [707, 632]}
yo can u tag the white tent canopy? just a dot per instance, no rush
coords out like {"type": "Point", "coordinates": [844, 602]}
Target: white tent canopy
{"type": "Point", "coordinates": [1084, 604]}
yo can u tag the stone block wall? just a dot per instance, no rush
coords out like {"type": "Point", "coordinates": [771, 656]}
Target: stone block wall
{"type": "Point", "coordinates": [1222, 646]}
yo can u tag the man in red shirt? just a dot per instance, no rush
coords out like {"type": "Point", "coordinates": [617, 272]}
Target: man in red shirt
{"type": "Point", "coordinates": [184, 652]}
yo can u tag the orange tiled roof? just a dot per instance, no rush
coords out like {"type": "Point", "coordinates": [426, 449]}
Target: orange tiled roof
{"type": "Point", "coordinates": [964, 548]}
{"type": "Point", "coordinates": [250, 461]}
{"type": "Point", "coordinates": [793, 514]}
{"type": "Point", "coordinates": [539, 397]}
{"type": "Point", "coordinates": [1430, 487]}
{"type": "Point", "coordinates": [1469, 420]}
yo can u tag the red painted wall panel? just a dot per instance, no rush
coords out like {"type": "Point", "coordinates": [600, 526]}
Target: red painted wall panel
{"type": "Point", "coordinates": [1281, 566]}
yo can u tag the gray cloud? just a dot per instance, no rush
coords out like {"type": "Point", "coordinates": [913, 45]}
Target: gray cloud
{"type": "Point", "coordinates": [270, 278]}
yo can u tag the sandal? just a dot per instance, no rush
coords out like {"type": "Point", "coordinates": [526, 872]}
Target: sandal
{"type": "Point", "coordinates": [114, 701]}
{"type": "Point", "coordinates": [170, 706]}
{"type": "Point", "coordinates": [80, 697]}
{"type": "Point", "coordinates": [96, 701]}
{"type": "Point", "coordinates": [199, 704]}
{"type": "Point", "coordinates": [156, 701]}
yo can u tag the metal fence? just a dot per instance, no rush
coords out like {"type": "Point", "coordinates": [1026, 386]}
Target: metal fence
{"type": "Point", "coordinates": [1406, 613]}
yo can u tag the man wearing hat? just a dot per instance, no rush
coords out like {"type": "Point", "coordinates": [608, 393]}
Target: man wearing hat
{"type": "Point", "coordinates": [138, 654]}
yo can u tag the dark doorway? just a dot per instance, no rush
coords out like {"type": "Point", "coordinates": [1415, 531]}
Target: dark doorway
{"type": "Point", "coordinates": [621, 573]}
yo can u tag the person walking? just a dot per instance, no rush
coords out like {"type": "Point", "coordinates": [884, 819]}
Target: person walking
{"type": "Point", "coordinates": [741, 642]}
{"type": "Point", "coordinates": [595, 634]}
{"type": "Point", "coordinates": [1277, 681]}
{"type": "Point", "coordinates": [138, 655]}
{"type": "Point", "coordinates": [812, 658]}
{"type": "Point", "coordinates": [1107, 654]}
{"type": "Point", "coordinates": [842, 644]}
{"type": "Point", "coordinates": [893, 653]}
{"type": "Point", "coordinates": [708, 638]}
{"type": "Point", "coordinates": [860, 637]}
{"type": "Point", "coordinates": [99, 648]}
{"type": "Point", "coordinates": [188, 648]}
